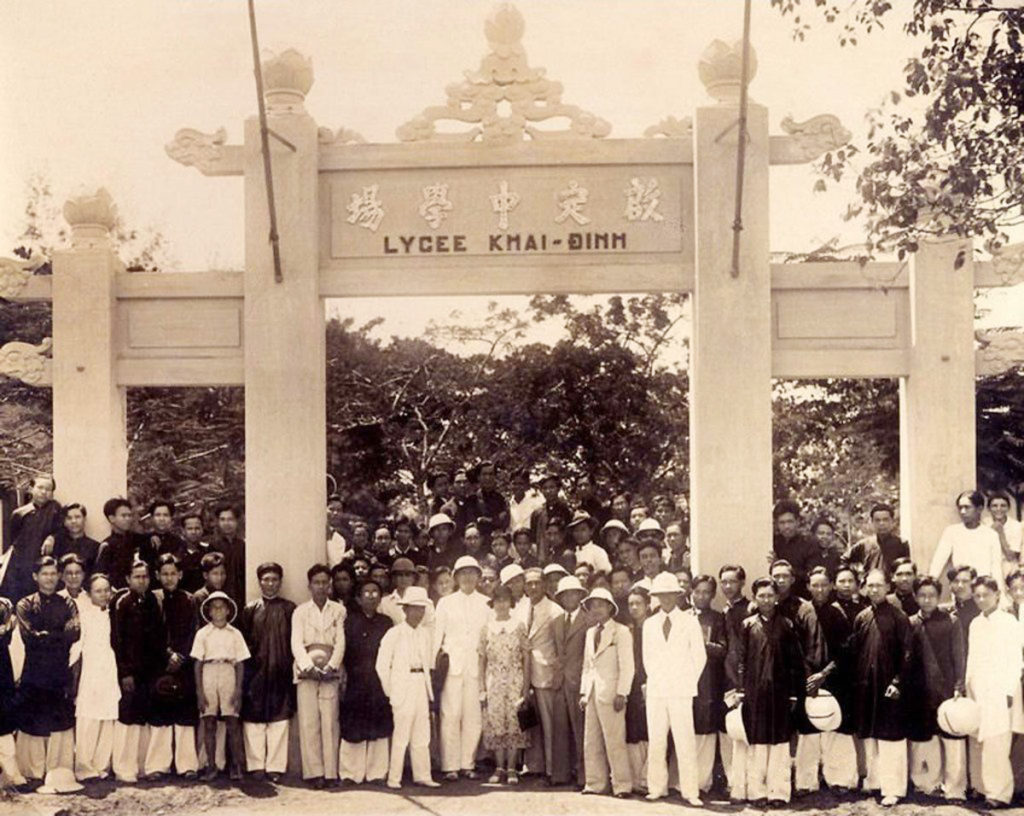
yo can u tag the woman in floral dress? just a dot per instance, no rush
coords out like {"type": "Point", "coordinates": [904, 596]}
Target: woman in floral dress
{"type": "Point", "coordinates": [505, 667]}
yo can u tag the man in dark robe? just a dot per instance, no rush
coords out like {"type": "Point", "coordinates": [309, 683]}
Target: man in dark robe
{"type": "Point", "coordinates": [766, 673]}
{"type": "Point", "coordinates": [193, 550]}
{"type": "Point", "coordinates": [45, 701]}
{"type": "Point", "coordinates": [492, 504]}
{"type": "Point", "coordinates": [847, 592]}
{"type": "Point", "coordinates": [366, 716]}
{"type": "Point", "coordinates": [963, 607]}
{"type": "Point", "coordinates": [72, 539]}
{"type": "Point", "coordinates": [174, 712]}
{"type": "Point", "coordinates": [139, 638]}
{"type": "Point", "coordinates": [731, 579]}
{"type": "Point", "coordinates": [709, 704]}
{"type": "Point", "coordinates": [791, 544]}
{"type": "Point", "coordinates": [34, 530]}
{"type": "Point", "coordinates": [904, 575]}
{"type": "Point", "coordinates": [881, 641]}
{"type": "Point", "coordinates": [880, 549]}
{"type": "Point", "coordinates": [123, 546]}
{"type": "Point", "coordinates": [268, 688]}
{"type": "Point", "coordinates": [552, 509]}
{"type": "Point", "coordinates": [835, 751]}
{"type": "Point", "coordinates": [232, 545]}
{"type": "Point", "coordinates": [163, 539]}
{"type": "Point", "coordinates": [938, 660]}
{"type": "Point", "coordinates": [465, 505]}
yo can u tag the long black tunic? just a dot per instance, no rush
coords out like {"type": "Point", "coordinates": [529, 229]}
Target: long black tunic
{"type": "Point", "coordinates": [8, 707]}
{"type": "Point", "coordinates": [192, 566]}
{"type": "Point", "coordinates": [881, 637]}
{"type": "Point", "coordinates": [234, 563]}
{"type": "Point", "coordinates": [84, 547]}
{"type": "Point", "coordinates": [708, 705]}
{"type": "Point", "coordinates": [938, 657]}
{"type": "Point", "coordinates": [365, 711]}
{"type": "Point", "coordinates": [963, 613]}
{"type": "Point", "coordinates": [173, 698]}
{"type": "Point", "coordinates": [801, 614]}
{"type": "Point", "coordinates": [30, 525]}
{"type": "Point", "coordinates": [117, 552]}
{"type": "Point", "coordinates": [48, 625]}
{"type": "Point", "coordinates": [268, 691]}
{"type": "Point", "coordinates": [837, 630]}
{"type": "Point", "coordinates": [636, 710]}
{"type": "Point", "coordinates": [765, 663]}
{"type": "Point", "coordinates": [139, 638]}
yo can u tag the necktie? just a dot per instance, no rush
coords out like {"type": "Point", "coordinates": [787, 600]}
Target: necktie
{"type": "Point", "coordinates": [568, 618]}
{"type": "Point", "coordinates": [597, 636]}
{"type": "Point", "coordinates": [666, 627]}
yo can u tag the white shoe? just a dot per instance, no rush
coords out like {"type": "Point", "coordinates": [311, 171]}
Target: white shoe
{"type": "Point", "coordinates": [693, 801]}
{"type": "Point", "coordinates": [394, 785]}
{"type": "Point", "coordinates": [889, 801]}
{"type": "Point", "coordinates": [654, 797]}
{"type": "Point", "coordinates": [427, 783]}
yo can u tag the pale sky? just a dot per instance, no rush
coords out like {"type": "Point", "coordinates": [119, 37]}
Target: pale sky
{"type": "Point", "coordinates": [92, 91]}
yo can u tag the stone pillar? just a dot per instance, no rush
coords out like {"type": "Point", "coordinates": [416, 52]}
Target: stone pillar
{"type": "Point", "coordinates": [937, 424]}
{"type": "Point", "coordinates": [90, 455]}
{"type": "Point", "coordinates": [730, 372]}
{"type": "Point", "coordinates": [285, 359]}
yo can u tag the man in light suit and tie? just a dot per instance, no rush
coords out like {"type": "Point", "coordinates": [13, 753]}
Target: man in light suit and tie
{"type": "Point", "coordinates": [460, 618]}
{"type": "Point", "coordinates": [607, 677]}
{"type": "Point", "coordinates": [674, 657]}
{"type": "Point", "coordinates": [570, 630]}
{"type": "Point", "coordinates": [550, 743]}
{"type": "Point", "coordinates": [403, 666]}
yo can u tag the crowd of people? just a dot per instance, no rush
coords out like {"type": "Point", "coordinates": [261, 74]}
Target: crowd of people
{"type": "Point", "coordinates": [545, 634]}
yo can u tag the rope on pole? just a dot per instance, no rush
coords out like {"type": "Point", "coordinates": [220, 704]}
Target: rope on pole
{"type": "Point", "coordinates": [265, 140]}
{"type": "Point", "coordinates": [741, 147]}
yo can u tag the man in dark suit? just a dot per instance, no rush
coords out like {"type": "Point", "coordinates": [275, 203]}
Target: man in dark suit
{"type": "Point", "coordinates": [570, 632]}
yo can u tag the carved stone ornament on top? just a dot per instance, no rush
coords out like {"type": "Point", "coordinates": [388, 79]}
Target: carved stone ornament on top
{"type": "Point", "coordinates": [504, 76]}
{"type": "Point", "coordinates": [91, 215]}
{"type": "Point", "coordinates": [1008, 264]}
{"type": "Point", "coordinates": [14, 275]}
{"type": "Point", "coordinates": [24, 361]}
{"type": "Point", "coordinates": [998, 352]}
{"type": "Point", "coordinates": [193, 148]}
{"type": "Point", "coordinates": [287, 78]}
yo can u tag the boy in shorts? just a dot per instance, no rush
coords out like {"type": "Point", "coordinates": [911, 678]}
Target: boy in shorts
{"type": "Point", "coordinates": [219, 651]}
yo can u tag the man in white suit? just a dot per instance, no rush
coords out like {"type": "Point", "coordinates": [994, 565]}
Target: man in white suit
{"type": "Point", "coordinates": [674, 657]}
{"type": "Point", "coordinates": [403, 666]}
{"type": "Point", "coordinates": [607, 677]}
{"type": "Point", "coordinates": [460, 618]}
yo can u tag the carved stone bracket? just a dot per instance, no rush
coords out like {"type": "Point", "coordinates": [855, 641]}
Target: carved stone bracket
{"type": "Point", "coordinates": [671, 128]}
{"type": "Point", "coordinates": [207, 152]}
{"type": "Point", "coordinates": [1008, 264]}
{"type": "Point", "coordinates": [504, 76]}
{"type": "Point", "coordinates": [999, 352]}
{"type": "Point", "coordinates": [14, 275]}
{"type": "Point", "coordinates": [342, 136]}
{"type": "Point", "coordinates": [809, 140]}
{"type": "Point", "coordinates": [24, 361]}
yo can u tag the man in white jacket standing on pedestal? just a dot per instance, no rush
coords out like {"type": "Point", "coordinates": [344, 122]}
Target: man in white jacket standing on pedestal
{"type": "Point", "coordinates": [673, 658]}
{"type": "Point", "coordinates": [459, 620]}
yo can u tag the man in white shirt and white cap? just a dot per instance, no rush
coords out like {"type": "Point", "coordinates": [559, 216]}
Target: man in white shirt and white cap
{"type": "Point", "coordinates": [673, 656]}
{"type": "Point", "coordinates": [459, 619]}
{"type": "Point", "coordinates": [581, 528]}
{"type": "Point", "coordinates": [403, 666]}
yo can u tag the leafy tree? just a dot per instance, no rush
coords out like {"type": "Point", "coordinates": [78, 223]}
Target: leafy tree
{"type": "Point", "coordinates": [943, 152]}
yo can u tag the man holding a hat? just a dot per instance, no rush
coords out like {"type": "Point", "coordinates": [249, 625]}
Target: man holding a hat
{"type": "Point", "coordinates": [570, 630]}
{"type": "Point", "coordinates": [403, 666]}
{"type": "Point", "coordinates": [607, 677]}
{"type": "Point", "coordinates": [459, 620]}
{"type": "Point", "coordinates": [582, 529]}
{"type": "Point", "coordinates": [674, 657]}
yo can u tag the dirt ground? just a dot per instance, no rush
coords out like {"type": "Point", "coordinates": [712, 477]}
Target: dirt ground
{"type": "Point", "coordinates": [464, 798]}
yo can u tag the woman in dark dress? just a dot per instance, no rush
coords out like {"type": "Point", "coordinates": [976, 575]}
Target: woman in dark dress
{"type": "Point", "coordinates": [636, 712]}
{"type": "Point", "coordinates": [366, 720]}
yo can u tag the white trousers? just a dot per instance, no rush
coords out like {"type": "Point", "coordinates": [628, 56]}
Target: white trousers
{"type": "Point", "coordinates": [887, 766]}
{"type": "Point", "coordinates": [604, 747]}
{"type": "Point", "coordinates": [171, 743]}
{"type": "Point", "coordinates": [37, 755]}
{"type": "Point", "coordinates": [94, 747]}
{"type": "Point", "coordinates": [125, 757]}
{"type": "Point", "coordinates": [10, 773]}
{"type": "Point", "coordinates": [461, 722]}
{"type": "Point", "coordinates": [637, 752]}
{"type": "Point", "coordinates": [319, 729]}
{"type": "Point", "coordinates": [766, 771]}
{"type": "Point", "coordinates": [939, 764]}
{"type": "Point", "coordinates": [266, 746]}
{"type": "Point", "coordinates": [363, 761]}
{"type": "Point", "coordinates": [833, 752]}
{"type": "Point", "coordinates": [996, 771]}
{"type": "Point", "coordinates": [675, 714]}
{"type": "Point", "coordinates": [706, 745]}
{"type": "Point", "coordinates": [412, 731]}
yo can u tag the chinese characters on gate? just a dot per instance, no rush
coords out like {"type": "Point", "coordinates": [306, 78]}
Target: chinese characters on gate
{"type": "Point", "coordinates": [641, 202]}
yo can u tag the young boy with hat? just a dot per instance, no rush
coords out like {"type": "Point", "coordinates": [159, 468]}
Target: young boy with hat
{"type": "Point", "coordinates": [582, 529]}
{"type": "Point", "coordinates": [219, 651]}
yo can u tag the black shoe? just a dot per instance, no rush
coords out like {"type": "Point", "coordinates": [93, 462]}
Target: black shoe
{"type": "Point", "coordinates": [258, 776]}
{"type": "Point", "coordinates": [317, 784]}
{"type": "Point", "coordinates": [274, 777]}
